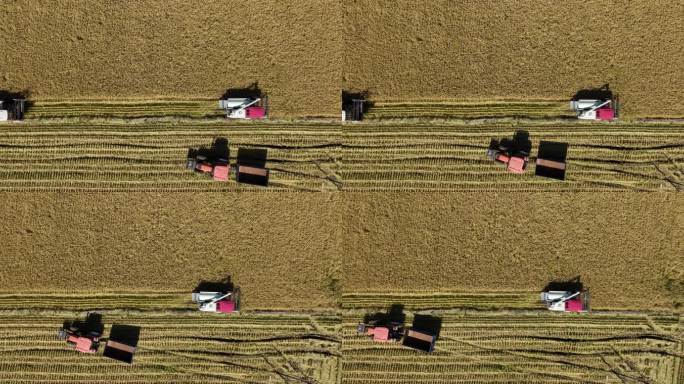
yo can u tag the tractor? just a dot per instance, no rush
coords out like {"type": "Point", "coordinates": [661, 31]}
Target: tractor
{"type": "Point", "coordinates": [219, 169]}
{"type": "Point", "coordinates": [515, 153]}
{"type": "Point", "coordinates": [212, 161]}
{"type": "Point", "coordinates": [382, 331]}
{"type": "Point", "coordinates": [83, 336]}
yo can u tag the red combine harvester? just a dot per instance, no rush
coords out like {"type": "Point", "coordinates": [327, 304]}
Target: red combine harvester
{"type": "Point", "coordinates": [514, 153]}
{"type": "Point", "coordinates": [82, 336]}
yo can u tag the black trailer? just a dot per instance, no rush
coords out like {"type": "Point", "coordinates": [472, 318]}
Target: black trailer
{"type": "Point", "coordinates": [251, 166]}
{"type": "Point", "coordinates": [551, 160]}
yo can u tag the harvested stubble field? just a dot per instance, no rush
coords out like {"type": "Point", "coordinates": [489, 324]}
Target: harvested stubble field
{"type": "Point", "coordinates": [530, 348]}
{"type": "Point", "coordinates": [67, 50]}
{"type": "Point", "coordinates": [439, 157]}
{"type": "Point", "coordinates": [150, 156]}
{"type": "Point", "coordinates": [176, 347]}
{"type": "Point", "coordinates": [517, 50]}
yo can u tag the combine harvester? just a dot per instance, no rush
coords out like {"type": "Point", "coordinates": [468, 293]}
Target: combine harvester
{"type": "Point", "coordinates": [245, 107]}
{"type": "Point", "coordinates": [12, 110]}
{"type": "Point", "coordinates": [595, 104]}
{"type": "Point", "coordinates": [219, 302]}
{"type": "Point", "coordinates": [566, 301]}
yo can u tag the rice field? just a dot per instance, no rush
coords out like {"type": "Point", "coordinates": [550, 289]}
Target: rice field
{"type": "Point", "coordinates": [175, 347]}
{"type": "Point", "coordinates": [81, 156]}
{"type": "Point", "coordinates": [518, 50]}
{"type": "Point", "coordinates": [180, 345]}
{"type": "Point", "coordinates": [520, 347]}
{"type": "Point", "coordinates": [75, 50]}
{"type": "Point", "coordinates": [129, 109]}
{"type": "Point", "coordinates": [317, 156]}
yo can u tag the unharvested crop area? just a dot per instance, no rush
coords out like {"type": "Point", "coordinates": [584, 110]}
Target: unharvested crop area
{"type": "Point", "coordinates": [69, 50]}
{"type": "Point", "coordinates": [519, 347]}
{"type": "Point", "coordinates": [438, 250]}
{"type": "Point", "coordinates": [176, 347]}
{"type": "Point", "coordinates": [280, 248]}
{"type": "Point", "coordinates": [517, 50]}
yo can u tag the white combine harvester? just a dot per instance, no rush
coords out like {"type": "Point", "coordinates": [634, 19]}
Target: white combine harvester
{"type": "Point", "coordinates": [245, 107]}
{"type": "Point", "coordinates": [223, 302]}
{"type": "Point", "coordinates": [566, 301]}
{"type": "Point", "coordinates": [595, 104]}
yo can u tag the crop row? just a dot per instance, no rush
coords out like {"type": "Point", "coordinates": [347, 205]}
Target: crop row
{"type": "Point", "coordinates": [481, 347]}
{"type": "Point", "coordinates": [130, 109]}
{"type": "Point", "coordinates": [174, 347]}
{"type": "Point", "coordinates": [445, 109]}
{"type": "Point", "coordinates": [362, 158]}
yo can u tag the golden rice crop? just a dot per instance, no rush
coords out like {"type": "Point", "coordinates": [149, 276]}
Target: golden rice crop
{"type": "Point", "coordinates": [517, 50]}
{"type": "Point", "coordinates": [281, 248]}
{"type": "Point", "coordinates": [626, 247]}
{"type": "Point", "coordinates": [81, 49]}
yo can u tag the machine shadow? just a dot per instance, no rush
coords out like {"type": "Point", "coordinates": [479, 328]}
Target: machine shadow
{"type": "Point", "coordinates": [601, 93]}
{"type": "Point", "coordinates": [571, 285]}
{"type": "Point", "coordinates": [219, 150]}
{"type": "Point", "coordinates": [394, 315]}
{"type": "Point", "coordinates": [225, 285]}
{"type": "Point", "coordinates": [429, 324]}
{"type": "Point", "coordinates": [251, 91]}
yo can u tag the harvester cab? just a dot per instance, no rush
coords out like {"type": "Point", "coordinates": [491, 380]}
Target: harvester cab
{"type": "Point", "coordinates": [595, 104]}
{"type": "Point", "coordinates": [223, 302]}
{"type": "Point", "coordinates": [566, 301]}
{"type": "Point", "coordinates": [354, 105]}
{"type": "Point", "coordinates": [382, 332]}
{"type": "Point", "coordinates": [83, 336]}
{"type": "Point", "coordinates": [12, 110]}
{"type": "Point", "coordinates": [515, 153]}
{"type": "Point", "coordinates": [245, 107]}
